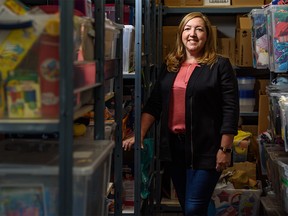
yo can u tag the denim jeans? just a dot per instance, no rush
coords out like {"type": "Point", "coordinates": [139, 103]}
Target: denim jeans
{"type": "Point", "coordinates": [194, 188]}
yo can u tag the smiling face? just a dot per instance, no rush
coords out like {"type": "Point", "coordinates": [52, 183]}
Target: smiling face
{"type": "Point", "coordinates": [194, 36]}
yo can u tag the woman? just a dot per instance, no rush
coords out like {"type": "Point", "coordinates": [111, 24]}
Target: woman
{"type": "Point", "coordinates": [196, 102]}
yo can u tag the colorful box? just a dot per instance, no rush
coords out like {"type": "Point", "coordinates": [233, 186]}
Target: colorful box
{"type": "Point", "coordinates": [23, 95]}
{"type": "Point", "coordinates": [230, 202]}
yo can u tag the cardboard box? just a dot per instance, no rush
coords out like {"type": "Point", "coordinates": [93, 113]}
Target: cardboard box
{"type": "Point", "coordinates": [217, 2]}
{"type": "Point", "coordinates": [247, 2]}
{"type": "Point", "coordinates": [260, 89]}
{"type": "Point", "coordinates": [214, 32]}
{"type": "Point", "coordinates": [243, 47]}
{"type": "Point", "coordinates": [168, 38]}
{"type": "Point", "coordinates": [253, 129]}
{"type": "Point", "coordinates": [226, 47]}
{"type": "Point", "coordinates": [183, 2]}
{"type": "Point", "coordinates": [235, 202]}
{"type": "Point", "coordinates": [263, 122]}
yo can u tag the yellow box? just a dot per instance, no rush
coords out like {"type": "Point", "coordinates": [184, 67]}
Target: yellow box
{"type": "Point", "coordinates": [23, 96]}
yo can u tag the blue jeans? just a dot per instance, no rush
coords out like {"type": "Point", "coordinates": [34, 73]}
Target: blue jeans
{"type": "Point", "coordinates": [194, 188]}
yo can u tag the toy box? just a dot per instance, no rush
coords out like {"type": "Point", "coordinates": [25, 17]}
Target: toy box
{"type": "Point", "coordinates": [231, 202]}
{"type": "Point", "coordinates": [29, 177]}
{"type": "Point", "coordinates": [23, 95]}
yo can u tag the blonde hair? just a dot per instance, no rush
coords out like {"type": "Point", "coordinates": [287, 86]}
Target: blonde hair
{"type": "Point", "coordinates": [177, 56]}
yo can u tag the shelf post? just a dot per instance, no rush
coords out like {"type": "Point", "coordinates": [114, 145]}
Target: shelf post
{"type": "Point", "coordinates": [138, 101]}
{"type": "Point", "coordinates": [66, 109]}
{"type": "Point", "coordinates": [118, 150]}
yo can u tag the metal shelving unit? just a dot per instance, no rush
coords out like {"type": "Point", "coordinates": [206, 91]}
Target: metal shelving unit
{"type": "Point", "coordinates": [141, 7]}
{"type": "Point", "coordinates": [207, 10]}
{"type": "Point", "coordinates": [64, 124]}
{"type": "Point", "coordinates": [164, 11]}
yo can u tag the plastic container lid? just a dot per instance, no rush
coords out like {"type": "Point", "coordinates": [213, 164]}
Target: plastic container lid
{"type": "Point", "coordinates": [87, 157]}
{"type": "Point", "coordinates": [246, 80]}
{"type": "Point", "coordinates": [52, 9]}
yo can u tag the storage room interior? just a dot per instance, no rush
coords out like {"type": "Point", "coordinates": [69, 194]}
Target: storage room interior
{"type": "Point", "coordinates": [74, 76]}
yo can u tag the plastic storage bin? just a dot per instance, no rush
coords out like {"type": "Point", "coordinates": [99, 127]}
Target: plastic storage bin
{"type": "Point", "coordinates": [29, 177]}
{"type": "Point", "coordinates": [283, 178]}
{"type": "Point", "coordinates": [128, 47]}
{"type": "Point", "coordinates": [246, 93]}
{"type": "Point", "coordinates": [259, 39]}
{"type": "Point", "coordinates": [277, 37]}
{"type": "Point", "coordinates": [111, 34]}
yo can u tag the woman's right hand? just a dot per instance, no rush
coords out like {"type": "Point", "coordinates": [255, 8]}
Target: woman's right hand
{"type": "Point", "coordinates": [128, 143]}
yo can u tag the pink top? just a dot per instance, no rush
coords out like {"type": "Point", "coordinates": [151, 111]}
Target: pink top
{"type": "Point", "coordinates": [177, 101]}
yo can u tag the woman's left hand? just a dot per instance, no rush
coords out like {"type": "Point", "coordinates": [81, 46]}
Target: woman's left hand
{"type": "Point", "coordinates": [223, 160]}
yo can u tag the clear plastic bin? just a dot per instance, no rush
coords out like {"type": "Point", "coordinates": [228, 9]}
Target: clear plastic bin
{"type": "Point", "coordinates": [283, 179]}
{"type": "Point", "coordinates": [277, 37]}
{"type": "Point", "coordinates": [111, 34]}
{"type": "Point", "coordinates": [29, 176]}
{"type": "Point", "coordinates": [259, 39]}
{"type": "Point", "coordinates": [246, 83]}
{"type": "Point", "coordinates": [128, 48]}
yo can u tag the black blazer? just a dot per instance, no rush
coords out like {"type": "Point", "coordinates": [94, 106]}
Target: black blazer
{"type": "Point", "coordinates": [212, 109]}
